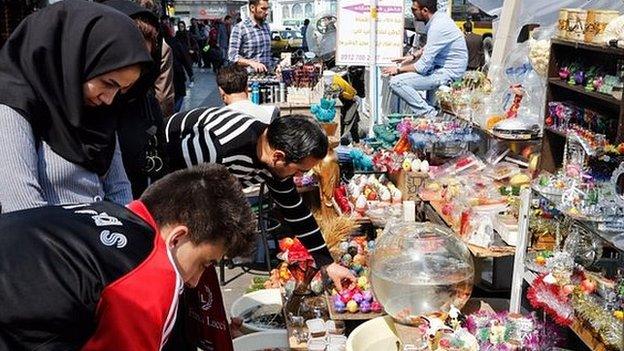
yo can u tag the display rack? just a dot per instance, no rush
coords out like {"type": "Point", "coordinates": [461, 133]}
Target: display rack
{"type": "Point", "coordinates": [561, 52]}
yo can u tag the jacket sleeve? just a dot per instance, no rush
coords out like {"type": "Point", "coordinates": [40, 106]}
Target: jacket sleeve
{"type": "Point", "coordinates": [164, 83]}
{"type": "Point", "coordinates": [300, 219]}
{"type": "Point", "coordinates": [116, 184]}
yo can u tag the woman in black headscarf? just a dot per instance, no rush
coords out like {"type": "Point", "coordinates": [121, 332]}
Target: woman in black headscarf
{"type": "Point", "coordinates": [141, 125]}
{"type": "Point", "coordinates": [59, 70]}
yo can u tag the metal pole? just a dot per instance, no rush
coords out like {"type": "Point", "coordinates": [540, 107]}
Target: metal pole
{"type": "Point", "coordinates": [521, 248]}
{"type": "Point", "coordinates": [374, 74]}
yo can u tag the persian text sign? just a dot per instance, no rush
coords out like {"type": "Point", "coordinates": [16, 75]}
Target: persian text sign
{"type": "Point", "coordinates": [354, 22]}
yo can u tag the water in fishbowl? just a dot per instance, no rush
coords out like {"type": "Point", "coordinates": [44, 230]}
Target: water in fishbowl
{"type": "Point", "coordinates": [417, 285]}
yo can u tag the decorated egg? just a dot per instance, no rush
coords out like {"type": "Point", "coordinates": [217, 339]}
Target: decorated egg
{"type": "Point", "coordinates": [365, 307]}
{"type": "Point", "coordinates": [317, 286]}
{"type": "Point", "coordinates": [357, 297]}
{"type": "Point", "coordinates": [424, 166]}
{"type": "Point", "coordinates": [368, 296]}
{"type": "Point", "coordinates": [339, 306]}
{"type": "Point", "coordinates": [344, 246]}
{"type": "Point", "coordinates": [364, 272]}
{"type": "Point", "coordinates": [335, 297]}
{"type": "Point", "coordinates": [372, 195]}
{"type": "Point", "coordinates": [362, 282]}
{"type": "Point", "coordinates": [360, 204]}
{"type": "Point", "coordinates": [385, 195]}
{"type": "Point", "coordinates": [371, 179]}
{"type": "Point", "coordinates": [376, 307]}
{"type": "Point", "coordinates": [346, 260]}
{"type": "Point", "coordinates": [416, 165]}
{"type": "Point", "coordinates": [371, 245]}
{"type": "Point", "coordinates": [407, 165]}
{"type": "Point", "coordinates": [352, 306]}
{"type": "Point", "coordinates": [397, 196]}
{"type": "Point", "coordinates": [356, 267]}
{"type": "Point", "coordinates": [289, 287]}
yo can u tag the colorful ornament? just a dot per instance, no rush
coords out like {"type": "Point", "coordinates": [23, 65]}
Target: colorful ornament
{"type": "Point", "coordinates": [352, 306]}
{"type": "Point", "coordinates": [376, 307]}
{"type": "Point", "coordinates": [365, 307]}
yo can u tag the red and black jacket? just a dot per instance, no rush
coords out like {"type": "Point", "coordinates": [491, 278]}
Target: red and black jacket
{"type": "Point", "coordinates": [85, 277]}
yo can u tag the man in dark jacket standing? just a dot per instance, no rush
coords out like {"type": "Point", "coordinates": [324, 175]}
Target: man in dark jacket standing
{"type": "Point", "coordinates": [474, 42]}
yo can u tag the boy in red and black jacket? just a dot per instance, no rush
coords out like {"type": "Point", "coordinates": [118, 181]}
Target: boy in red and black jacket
{"type": "Point", "coordinates": [106, 277]}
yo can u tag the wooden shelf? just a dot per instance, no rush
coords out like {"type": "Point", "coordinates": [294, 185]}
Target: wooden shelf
{"type": "Point", "coordinates": [581, 90]}
{"type": "Point", "coordinates": [477, 251]}
{"type": "Point", "coordinates": [590, 47]}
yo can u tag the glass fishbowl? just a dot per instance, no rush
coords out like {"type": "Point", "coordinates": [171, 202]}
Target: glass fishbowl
{"type": "Point", "coordinates": [419, 269]}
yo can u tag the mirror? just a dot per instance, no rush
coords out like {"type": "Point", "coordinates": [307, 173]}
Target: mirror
{"type": "Point", "coordinates": [617, 181]}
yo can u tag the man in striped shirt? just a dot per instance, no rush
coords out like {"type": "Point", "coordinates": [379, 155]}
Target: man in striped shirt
{"type": "Point", "coordinates": [250, 42]}
{"type": "Point", "coordinates": [255, 152]}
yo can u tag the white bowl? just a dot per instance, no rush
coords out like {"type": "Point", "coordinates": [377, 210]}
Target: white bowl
{"type": "Point", "coordinates": [263, 340]}
{"type": "Point", "coordinates": [256, 298]}
{"type": "Point", "coordinates": [376, 334]}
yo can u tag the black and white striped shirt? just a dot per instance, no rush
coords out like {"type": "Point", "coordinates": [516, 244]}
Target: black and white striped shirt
{"type": "Point", "coordinates": [227, 137]}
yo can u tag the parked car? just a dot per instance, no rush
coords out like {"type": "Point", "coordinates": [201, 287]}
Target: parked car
{"type": "Point", "coordinates": [286, 40]}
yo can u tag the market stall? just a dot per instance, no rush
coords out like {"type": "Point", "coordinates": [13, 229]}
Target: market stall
{"type": "Point", "coordinates": [522, 173]}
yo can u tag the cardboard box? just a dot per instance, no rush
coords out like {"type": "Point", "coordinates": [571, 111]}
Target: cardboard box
{"type": "Point", "coordinates": [409, 183]}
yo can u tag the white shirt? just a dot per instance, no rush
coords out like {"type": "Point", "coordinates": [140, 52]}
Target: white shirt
{"type": "Point", "coordinates": [263, 113]}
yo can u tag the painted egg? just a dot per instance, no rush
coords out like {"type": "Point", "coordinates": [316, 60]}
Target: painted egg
{"type": "Point", "coordinates": [385, 195]}
{"type": "Point", "coordinates": [356, 267]}
{"type": "Point", "coordinates": [368, 296]}
{"type": "Point", "coordinates": [365, 307]}
{"type": "Point", "coordinates": [416, 163]}
{"type": "Point", "coordinates": [371, 244]}
{"type": "Point", "coordinates": [424, 166]}
{"type": "Point", "coordinates": [352, 306]}
{"type": "Point", "coordinates": [339, 306]}
{"type": "Point", "coordinates": [376, 307]}
{"type": "Point", "coordinates": [407, 165]}
{"type": "Point", "coordinates": [362, 281]}
{"type": "Point", "coordinates": [344, 246]}
{"type": "Point", "coordinates": [346, 259]}
{"type": "Point", "coordinates": [357, 297]}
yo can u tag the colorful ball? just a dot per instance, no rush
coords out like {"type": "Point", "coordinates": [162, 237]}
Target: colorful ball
{"type": "Point", "coordinates": [368, 296]}
{"type": "Point", "coordinates": [352, 306]}
{"type": "Point", "coordinates": [346, 260]}
{"type": "Point", "coordinates": [339, 306]}
{"type": "Point", "coordinates": [376, 307]}
{"type": "Point", "coordinates": [357, 297]}
{"type": "Point", "coordinates": [344, 246]}
{"type": "Point", "coordinates": [371, 244]}
{"type": "Point", "coordinates": [365, 307]}
{"type": "Point", "coordinates": [362, 281]}
{"type": "Point", "coordinates": [356, 267]}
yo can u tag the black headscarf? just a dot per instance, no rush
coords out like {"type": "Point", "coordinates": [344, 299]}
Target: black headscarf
{"type": "Point", "coordinates": [44, 64]}
{"type": "Point", "coordinates": [149, 77]}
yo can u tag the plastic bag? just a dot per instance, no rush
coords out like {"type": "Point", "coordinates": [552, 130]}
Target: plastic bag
{"type": "Point", "coordinates": [539, 49]}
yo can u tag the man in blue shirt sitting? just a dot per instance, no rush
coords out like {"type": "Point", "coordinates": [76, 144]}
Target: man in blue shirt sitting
{"type": "Point", "coordinates": [443, 59]}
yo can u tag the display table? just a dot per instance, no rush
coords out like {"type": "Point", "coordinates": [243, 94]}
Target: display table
{"type": "Point", "coordinates": [434, 214]}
